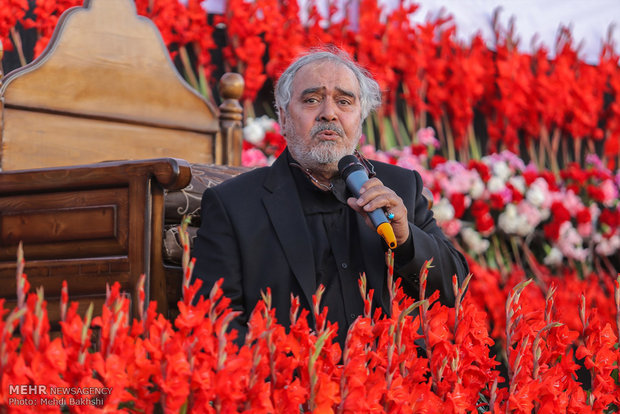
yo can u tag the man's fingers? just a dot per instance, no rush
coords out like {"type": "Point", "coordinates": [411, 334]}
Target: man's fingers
{"type": "Point", "coordinates": [352, 202]}
{"type": "Point", "coordinates": [373, 182]}
{"type": "Point", "coordinates": [373, 196]}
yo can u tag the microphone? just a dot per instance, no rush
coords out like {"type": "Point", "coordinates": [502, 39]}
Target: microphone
{"type": "Point", "coordinates": [355, 175]}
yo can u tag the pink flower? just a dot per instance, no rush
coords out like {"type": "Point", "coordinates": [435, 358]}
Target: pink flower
{"type": "Point", "coordinates": [426, 136]}
{"type": "Point", "coordinates": [571, 201]}
{"type": "Point", "coordinates": [370, 152]}
{"type": "Point", "coordinates": [570, 242]}
{"type": "Point", "coordinates": [253, 157]}
{"type": "Point", "coordinates": [428, 178]}
{"type": "Point", "coordinates": [609, 191]}
{"type": "Point", "coordinates": [531, 213]}
{"type": "Point", "coordinates": [584, 229]}
{"type": "Point", "coordinates": [451, 227]}
{"type": "Point", "coordinates": [409, 161]}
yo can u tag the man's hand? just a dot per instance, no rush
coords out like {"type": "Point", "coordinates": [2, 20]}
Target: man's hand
{"type": "Point", "coordinates": [374, 195]}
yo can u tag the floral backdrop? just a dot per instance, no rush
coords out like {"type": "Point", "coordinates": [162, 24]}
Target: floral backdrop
{"type": "Point", "coordinates": [521, 153]}
{"type": "Point", "coordinates": [547, 106]}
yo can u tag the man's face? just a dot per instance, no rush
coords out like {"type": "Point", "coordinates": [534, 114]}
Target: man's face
{"type": "Point", "coordinates": [323, 122]}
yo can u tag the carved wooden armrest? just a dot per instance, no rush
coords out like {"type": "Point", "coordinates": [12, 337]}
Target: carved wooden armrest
{"type": "Point", "coordinates": [91, 225]}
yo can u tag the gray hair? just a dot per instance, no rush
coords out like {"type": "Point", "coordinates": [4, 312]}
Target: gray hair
{"type": "Point", "coordinates": [370, 93]}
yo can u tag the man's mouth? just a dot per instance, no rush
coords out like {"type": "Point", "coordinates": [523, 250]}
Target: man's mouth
{"type": "Point", "coordinates": [328, 132]}
{"type": "Point", "coordinates": [328, 135]}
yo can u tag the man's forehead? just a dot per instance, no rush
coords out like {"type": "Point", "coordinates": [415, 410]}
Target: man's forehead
{"type": "Point", "coordinates": [325, 75]}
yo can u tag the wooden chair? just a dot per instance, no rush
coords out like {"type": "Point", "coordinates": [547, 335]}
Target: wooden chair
{"type": "Point", "coordinates": [96, 131]}
{"type": "Point", "coordinates": [106, 89]}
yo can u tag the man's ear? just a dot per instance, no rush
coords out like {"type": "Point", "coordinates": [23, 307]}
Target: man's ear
{"type": "Point", "coordinates": [282, 120]}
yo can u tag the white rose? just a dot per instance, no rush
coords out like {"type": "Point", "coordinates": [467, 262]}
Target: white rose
{"type": "Point", "coordinates": [508, 220]}
{"type": "Point", "coordinates": [477, 189]}
{"type": "Point", "coordinates": [496, 184]}
{"type": "Point", "coordinates": [266, 123]}
{"type": "Point", "coordinates": [501, 170]}
{"type": "Point", "coordinates": [443, 210]}
{"type": "Point", "coordinates": [518, 182]}
{"type": "Point", "coordinates": [473, 240]}
{"type": "Point", "coordinates": [252, 132]}
{"type": "Point", "coordinates": [535, 194]}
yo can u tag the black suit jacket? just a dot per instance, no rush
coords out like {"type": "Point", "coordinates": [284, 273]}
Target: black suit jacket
{"type": "Point", "coordinates": [254, 235]}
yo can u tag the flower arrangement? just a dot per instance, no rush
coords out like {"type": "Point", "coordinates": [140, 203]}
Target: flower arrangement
{"type": "Point", "coordinates": [535, 329]}
{"type": "Point", "coordinates": [548, 106]}
{"type": "Point", "coordinates": [539, 350]}
{"type": "Point", "coordinates": [498, 209]}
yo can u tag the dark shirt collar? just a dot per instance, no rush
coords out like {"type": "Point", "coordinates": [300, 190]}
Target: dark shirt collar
{"type": "Point", "coordinates": [313, 198]}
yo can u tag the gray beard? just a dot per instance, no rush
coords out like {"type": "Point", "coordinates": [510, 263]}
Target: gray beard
{"type": "Point", "coordinates": [328, 152]}
{"type": "Point", "coordinates": [324, 153]}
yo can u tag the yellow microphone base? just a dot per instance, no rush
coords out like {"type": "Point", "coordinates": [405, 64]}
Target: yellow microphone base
{"type": "Point", "coordinates": [386, 231]}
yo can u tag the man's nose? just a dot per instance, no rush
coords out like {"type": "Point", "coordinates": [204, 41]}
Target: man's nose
{"type": "Point", "coordinates": [328, 111]}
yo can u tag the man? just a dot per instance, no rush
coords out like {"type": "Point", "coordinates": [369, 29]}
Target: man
{"type": "Point", "coordinates": [294, 226]}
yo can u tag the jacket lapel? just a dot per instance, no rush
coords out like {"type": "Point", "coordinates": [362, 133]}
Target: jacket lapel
{"type": "Point", "coordinates": [286, 214]}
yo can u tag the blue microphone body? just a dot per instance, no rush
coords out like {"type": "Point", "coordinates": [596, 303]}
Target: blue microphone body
{"type": "Point", "coordinates": [354, 174]}
{"type": "Point", "coordinates": [355, 181]}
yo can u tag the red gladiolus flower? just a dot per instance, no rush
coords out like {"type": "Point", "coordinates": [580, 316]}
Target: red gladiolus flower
{"type": "Point", "coordinates": [11, 12]}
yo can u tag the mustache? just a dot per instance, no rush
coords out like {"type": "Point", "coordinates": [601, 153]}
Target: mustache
{"type": "Point", "coordinates": [326, 126]}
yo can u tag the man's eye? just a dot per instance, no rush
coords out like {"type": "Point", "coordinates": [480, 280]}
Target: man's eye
{"type": "Point", "coordinates": [311, 100]}
{"type": "Point", "coordinates": [344, 102]}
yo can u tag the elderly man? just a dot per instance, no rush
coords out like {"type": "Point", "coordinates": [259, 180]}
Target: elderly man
{"type": "Point", "coordinates": [294, 226]}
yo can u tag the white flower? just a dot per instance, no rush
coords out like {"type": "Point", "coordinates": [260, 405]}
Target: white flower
{"type": "Point", "coordinates": [496, 185]}
{"type": "Point", "coordinates": [477, 189]}
{"type": "Point", "coordinates": [501, 170]}
{"type": "Point", "coordinates": [268, 124]}
{"type": "Point", "coordinates": [554, 257]}
{"type": "Point", "coordinates": [253, 132]}
{"type": "Point", "coordinates": [518, 182]}
{"type": "Point", "coordinates": [512, 222]}
{"type": "Point", "coordinates": [537, 193]}
{"type": "Point", "coordinates": [474, 241]}
{"type": "Point", "coordinates": [443, 210]}
{"type": "Point", "coordinates": [508, 220]}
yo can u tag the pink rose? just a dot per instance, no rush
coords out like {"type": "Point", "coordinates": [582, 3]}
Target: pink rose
{"type": "Point", "coordinates": [253, 157]}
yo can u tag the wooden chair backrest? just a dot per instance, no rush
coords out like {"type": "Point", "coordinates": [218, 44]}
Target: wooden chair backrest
{"type": "Point", "coordinates": [105, 89]}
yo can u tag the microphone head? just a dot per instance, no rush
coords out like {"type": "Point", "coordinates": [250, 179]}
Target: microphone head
{"type": "Point", "coordinates": [348, 164]}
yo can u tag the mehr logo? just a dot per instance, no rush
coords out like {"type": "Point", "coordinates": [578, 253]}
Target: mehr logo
{"type": "Point", "coordinates": [28, 389]}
